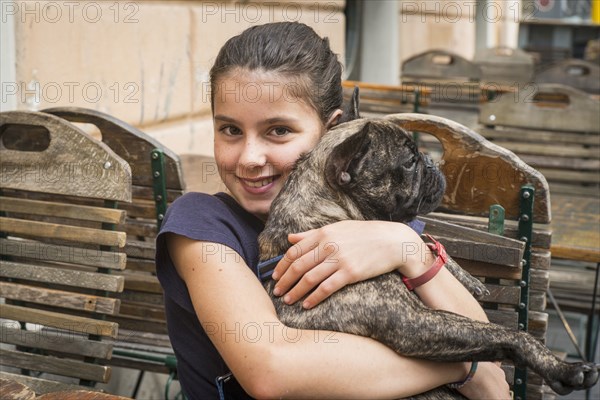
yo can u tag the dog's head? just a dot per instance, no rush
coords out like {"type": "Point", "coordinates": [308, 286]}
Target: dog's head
{"type": "Point", "coordinates": [382, 171]}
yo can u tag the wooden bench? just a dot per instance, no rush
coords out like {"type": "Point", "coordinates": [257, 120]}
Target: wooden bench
{"type": "Point", "coordinates": [505, 66]}
{"type": "Point", "coordinates": [143, 343]}
{"type": "Point", "coordinates": [553, 128]}
{"type": "Point", "coordinates": [556, 129]}
{"type": "Point", "coordinates": [59, 258]}
{"type": "Point", "coordinates": [579, 74]}
{"type": "Point", "coordinates": [481, 175]}
{"type": "Point", "coordinates": [455, 87]}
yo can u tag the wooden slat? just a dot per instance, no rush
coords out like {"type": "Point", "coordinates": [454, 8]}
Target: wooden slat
{"type": "Point", "coordinates": [89, 280]}
{"type": "Point", "coordinates": [540, 259]}
{"type": "Point", "coordinates": [141, 209]}
{"type": "Point", "coordinates": [556, 161]}
{"type": "Point", "coordinates": [55, 365]}
{"type": "Point", "coordinates": [62, 232]}
{"type": "Point", "coordinates": [56, 340]}
{"type": "Point", "coordinates": [483, 252]}
{"type": "Point", "coordinates": [140, 324]}
{"type": "Point", "coordinates": [37, 207]}
{"type": "Point", "coordinates": [502, 294]}
{"type": "Point", "coordinates": [541, 232]}
{"type": "Point", "coordinates": [591, 178]}
{"type": "Point", "coordinates": [487, 270]}
{"type": "Point", "coordinates": [575, 189]}
{"type": "Point", "coordinates": [484, 246]}
{"type": "Point", "coordinates": [59, 298]}
{"type": "Point", "coordinates": [546, 150]}
{"type": "Point", "coordinates": [139, 249]}
{"type": "Point", "coordinates": [151, 299]}
{"type": "Point", "coordinates": [502, 317]}
{"type": "Point", "coordinates": [143, 311]}
{"type": "Point", "coordinates": [73, 323]}
{"type": "Point", "coordinates": [136, 228]}
{"type": "Point", "coordinates": [142, 283]}
{"type": "Point", "coordinates": [66, 254]}
{"type": "Point", "coordinates": [38, 385]}
{"type": "Point", "coordinates": [550, 138]}
{"type": "Point", "coordinates": [139, 264]}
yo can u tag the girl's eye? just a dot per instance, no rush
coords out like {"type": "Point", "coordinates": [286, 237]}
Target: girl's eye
{"type": "Point", "coordinates": [280, 131]}
{"type": "Point", "coordinates": [231, 130]}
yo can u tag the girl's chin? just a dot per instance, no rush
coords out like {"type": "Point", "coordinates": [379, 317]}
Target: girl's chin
{"type": "Point", "coordinates": [259, 211]}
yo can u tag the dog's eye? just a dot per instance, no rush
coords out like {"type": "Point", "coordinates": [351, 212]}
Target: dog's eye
{"type": "Point", "coordinates": [410, 162]}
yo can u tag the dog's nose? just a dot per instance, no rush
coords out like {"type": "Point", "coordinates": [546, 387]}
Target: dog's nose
{"type": "Point", "coordinates": [427, 160]}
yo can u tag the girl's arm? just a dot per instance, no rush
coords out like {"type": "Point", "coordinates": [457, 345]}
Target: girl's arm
{"type": "Point", "coordinates": [271, 360]}
{"type": "Point", "coordinates": [364, 249]}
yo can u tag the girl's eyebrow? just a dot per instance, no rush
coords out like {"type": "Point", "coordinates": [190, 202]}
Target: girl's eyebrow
{"type": "Point", "coordinates": [279, 120]}
{"type": "Point", "coordinates": [224, 118]}
{"type": "Point", "coordinates": [274, 120]}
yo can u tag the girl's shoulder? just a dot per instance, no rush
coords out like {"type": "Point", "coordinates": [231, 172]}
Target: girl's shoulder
{"type": "Point", "coordinates": [196, 209]}
{"type": "Point", "coordinates": [217, 213]}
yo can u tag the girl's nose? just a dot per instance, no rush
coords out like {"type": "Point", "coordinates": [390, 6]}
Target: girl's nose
{"type": "Point", "coordinates": [253, 156]}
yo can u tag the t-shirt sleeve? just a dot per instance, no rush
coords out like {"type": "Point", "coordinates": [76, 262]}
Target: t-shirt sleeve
{"type": "Point", "coordinates": [200, 217]}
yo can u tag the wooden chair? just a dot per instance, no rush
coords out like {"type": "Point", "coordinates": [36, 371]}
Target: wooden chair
{"type": "Point", "coordinates": [578, 74]}
{"type": "Point", "coordinates": [514, 261]}
{"type": "Point", "coordinates": [556, 129]}
{"type": "Point", "coordinates": [157, 180]}
{"type": "Point", "coordinates": [59, 258]}
{"type": "Point", "coordinates": [505, 66]}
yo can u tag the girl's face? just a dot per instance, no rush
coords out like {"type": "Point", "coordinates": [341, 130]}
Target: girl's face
{"type": "Point", "coordinates": [260, 131]}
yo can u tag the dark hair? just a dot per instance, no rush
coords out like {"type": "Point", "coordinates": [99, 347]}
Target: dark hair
{"type": "Point", "coordinates": [289, 48]}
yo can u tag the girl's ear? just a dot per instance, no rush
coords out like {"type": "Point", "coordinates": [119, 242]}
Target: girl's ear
{"type": "Point", "coordinates": [334, 119]}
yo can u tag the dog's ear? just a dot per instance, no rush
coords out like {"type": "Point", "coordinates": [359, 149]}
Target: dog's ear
{"type": "Point", "coordinates": [341, 165]}
{"type": "Point", "coordinates": [350, 112]}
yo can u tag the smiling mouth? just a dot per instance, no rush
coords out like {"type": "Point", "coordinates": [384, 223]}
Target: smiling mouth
{"type": "Point", "coordinates": [258, 183]}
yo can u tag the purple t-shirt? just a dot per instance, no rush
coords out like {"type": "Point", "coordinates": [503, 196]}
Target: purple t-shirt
{"type": "Point", "coordinates": [212, 218]}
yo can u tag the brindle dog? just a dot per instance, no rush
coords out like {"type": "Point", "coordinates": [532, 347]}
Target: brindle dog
{"type": "Point", "coordinates": [372, 170]}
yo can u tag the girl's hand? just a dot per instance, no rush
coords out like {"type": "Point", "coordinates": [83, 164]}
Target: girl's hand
{"type": "Point", "coordinates": [331, 257]}
{"type": "Point", "coordinates": [489, 382]}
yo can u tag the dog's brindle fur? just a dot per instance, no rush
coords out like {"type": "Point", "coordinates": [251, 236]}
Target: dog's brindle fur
{"type": "Point", "coordinates": [371, 170]}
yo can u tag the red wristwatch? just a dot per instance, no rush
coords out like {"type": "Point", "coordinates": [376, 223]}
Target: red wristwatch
{"type": "Point", "coordinates": [440, 261]}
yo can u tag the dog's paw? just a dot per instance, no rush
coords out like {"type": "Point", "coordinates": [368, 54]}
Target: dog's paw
{"type": "Point", "coordinates": [580, 376]}
{"type": "Point", "coordinates": [477, 288]}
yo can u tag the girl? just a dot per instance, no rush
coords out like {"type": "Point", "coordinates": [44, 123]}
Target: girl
{"type": "Point", "coordinates": [276, 88]}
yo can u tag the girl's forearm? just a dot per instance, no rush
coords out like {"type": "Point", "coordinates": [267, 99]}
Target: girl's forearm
{"type": "Point", "coordinates": [346, 366]}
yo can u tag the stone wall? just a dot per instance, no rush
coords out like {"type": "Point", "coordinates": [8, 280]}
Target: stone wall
{"type": "Point", "coordinates": [145, 62]}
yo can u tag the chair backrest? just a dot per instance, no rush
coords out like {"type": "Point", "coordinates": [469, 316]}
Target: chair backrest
{"type": "Point", "coordinates": [505, 66]}
{"type": "Point", "coordinates": [59, 257]}
{"type": "Point", "coordinates": [480, 176]}
{"type": "Point", "coordinates": [555, 129]}
{"type": "Point", "coordinates": [579, 74]}
{"type": "Point", "coordinates": [440, 65]}
{"type": "Point", "coordinates": [141, 316]}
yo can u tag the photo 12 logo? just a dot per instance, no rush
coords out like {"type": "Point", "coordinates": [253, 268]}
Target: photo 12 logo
{"type": "Point", "coordinates": [254, 13]}
{"type": "Point", "coordinates": [70, 11]}
{"type": "Point", "coordinates": [34, 93]}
